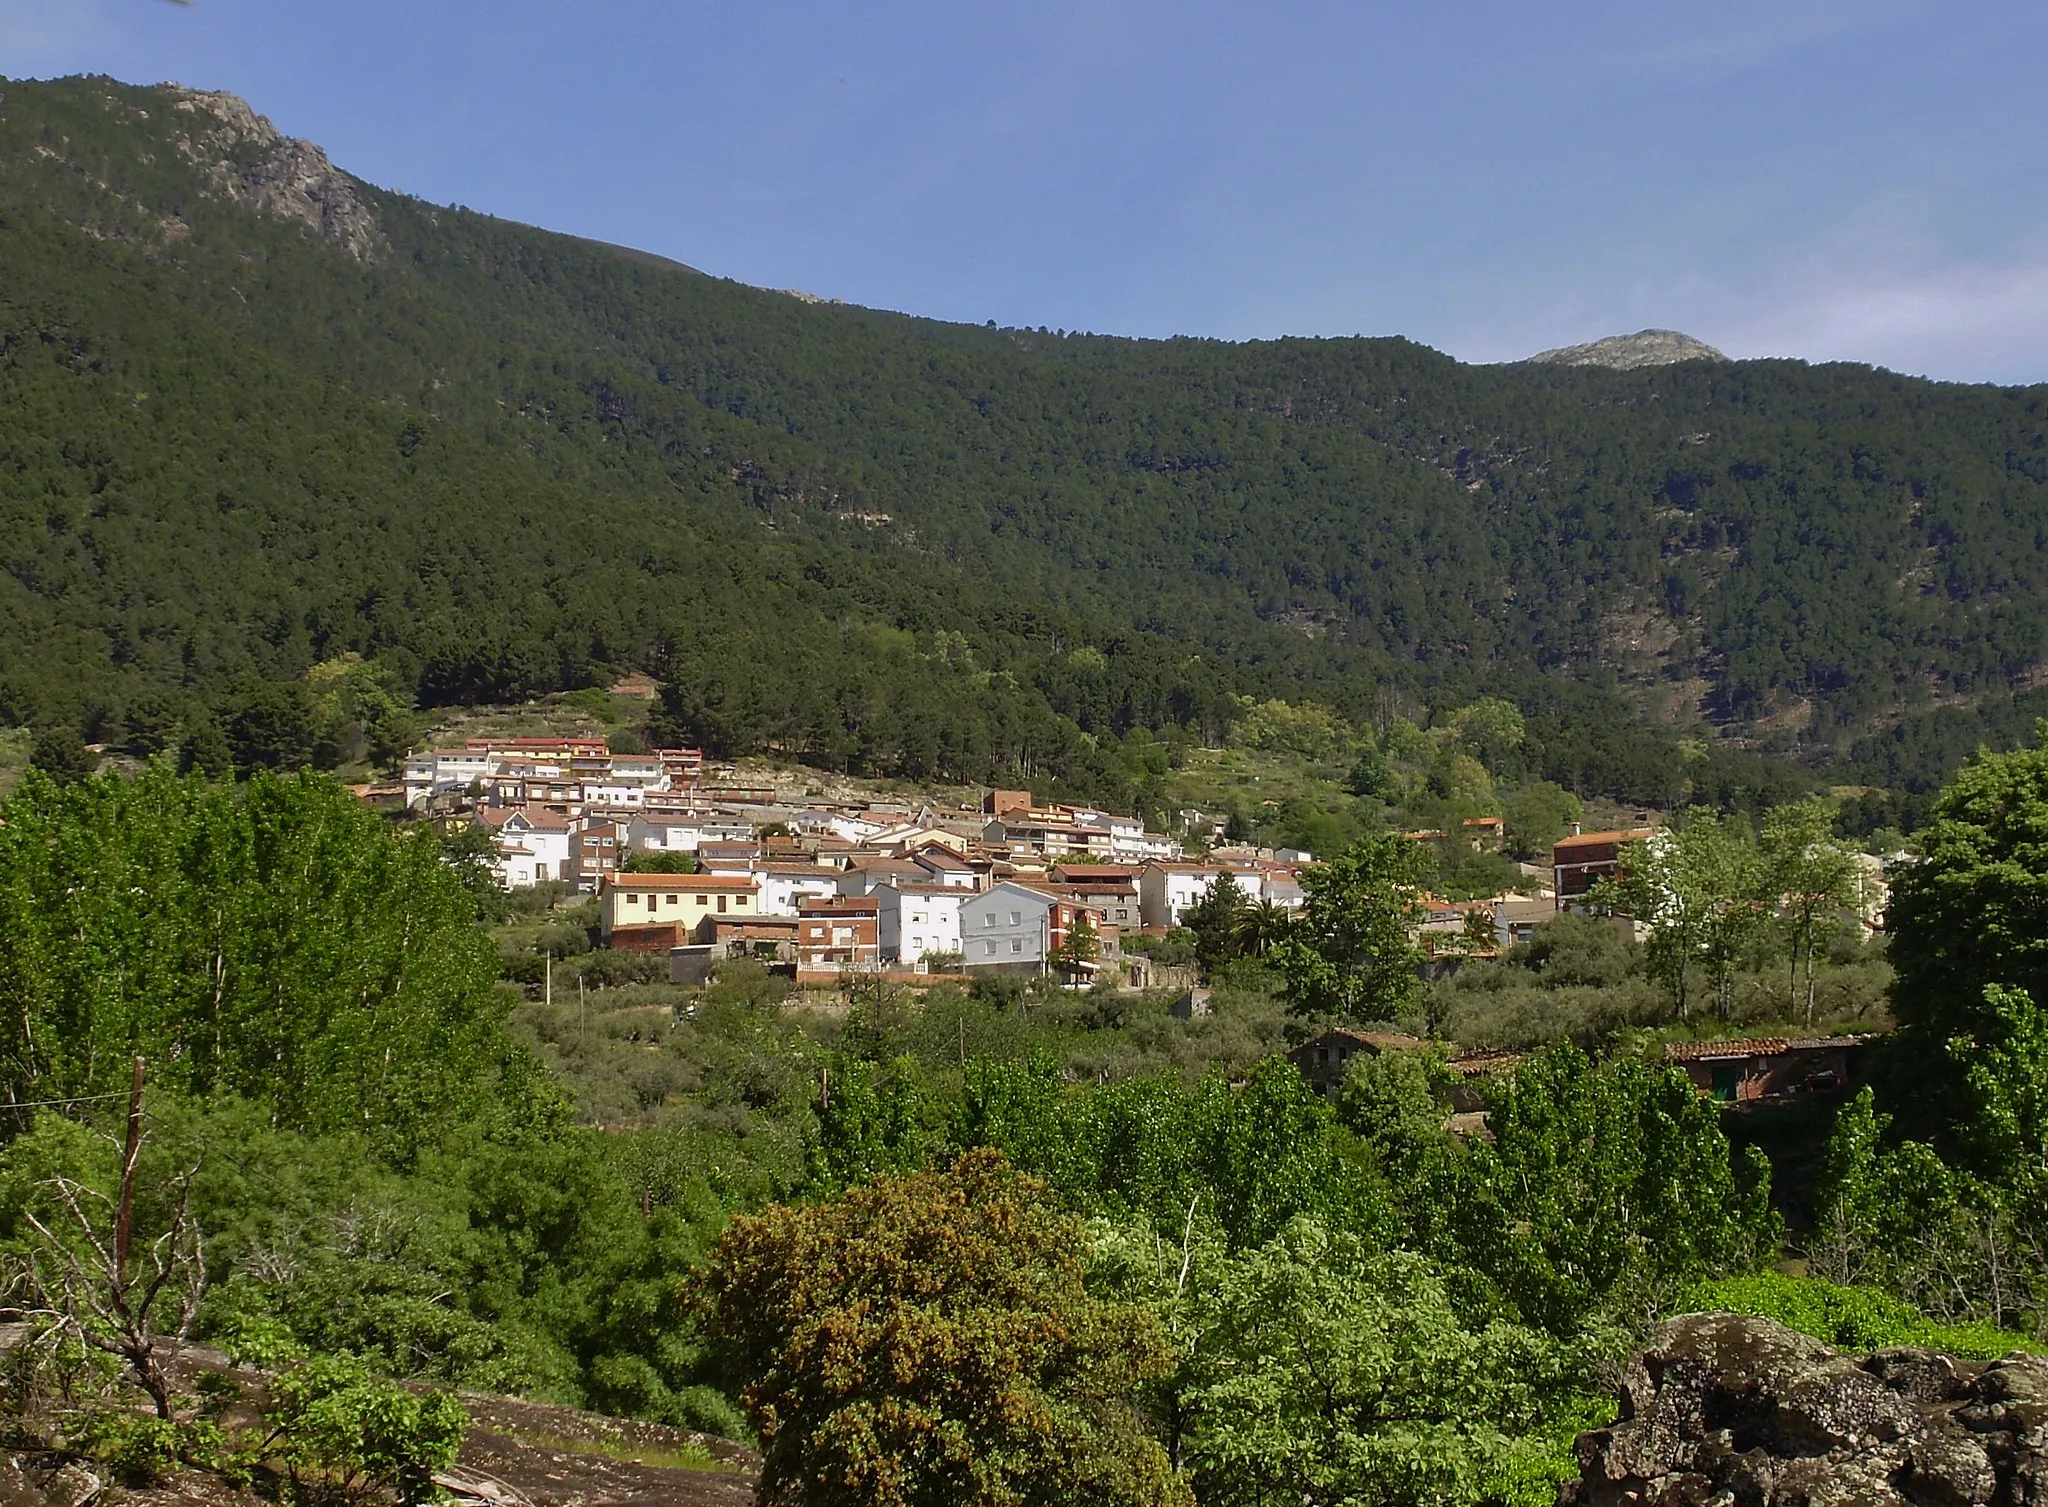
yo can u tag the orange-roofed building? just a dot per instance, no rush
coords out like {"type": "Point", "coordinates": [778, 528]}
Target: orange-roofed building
{"type": "Point", "coordinates": [653, 912]}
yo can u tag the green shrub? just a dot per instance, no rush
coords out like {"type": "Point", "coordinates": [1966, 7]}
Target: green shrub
{"type": "Point", "coordinates": [141, 1447]}
{"type": "Point", "coordinates": [330, 1418]}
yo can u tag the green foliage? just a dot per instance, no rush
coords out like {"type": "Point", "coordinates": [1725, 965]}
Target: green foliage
{"type": "Point", "coordinates": [1320, 1370]}
{"type": "Point", "coordinates": [1849, 1318]}
{"type": "Point", "coordinates": [333, 1422]}
{"type": "Point", "coordinates": [1240, 1161]}
{"type": "Point", "coordinates": [359, 711]}
{"type": "Point", "coordinates": [670, 862]}
{"type": "Point", "coordinates": [1699, 888]}
{"type": "Point", "coordinates": [144, 1447]}
{"type": "Point", "coordinates": [1813, 878]}
{"type": "Point", "coordinates": [871, 1120]}
{"type": "Point", "coordinates": [1537, 816]}
{"type": "Point", "coordinates": [60, 754]}
{"type": "Point", "coordinates": [1396, 1103]}
{"type": "Point", "coordinates": [1218, 919]}
{"type": "Point", "coordinates": [1599, 1187]}
{"type": "Point", "coordinates": [1969, 913]}
{"type": "Point", "coordinates": [277, 942]}
{"type": "Point", "coordinates": [929, 1339]}
{"type": "Point", "coordinates": [1575, 948]}
{"type": "Point", "coordinates": [1350, 955]}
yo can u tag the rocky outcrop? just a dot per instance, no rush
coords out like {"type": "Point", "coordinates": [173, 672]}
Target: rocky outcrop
{"type": "Point", "coordinates": [243, 157]}
{"type": "Point", "coordinates": [1735, 1411]}
{"type": "Point", "coordinates": [1627, 352]}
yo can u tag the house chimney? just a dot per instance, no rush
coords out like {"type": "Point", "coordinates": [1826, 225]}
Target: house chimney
{"type": "Point", "coordinates": [1577, 828]}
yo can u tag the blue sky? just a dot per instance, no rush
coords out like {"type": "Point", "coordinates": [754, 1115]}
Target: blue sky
{"type": "Point", "coordinates": [1816, 178]}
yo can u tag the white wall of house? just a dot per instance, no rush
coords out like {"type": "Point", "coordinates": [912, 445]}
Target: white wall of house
{"type": "Point", "coordinates": [534, 857]}
{"type": "Point", "coordinates": [917, 922]}
{"type": "Point", "coordinates": [665, 834]}
{"type": "Point", "coordinates": [1006, 926]}
{"type": "Point", "coordinates": [1143, 847]}
{"type": "Point", "coordinates": [783, 892]}
{"type": "Point", "coordinates": [1165, 893]}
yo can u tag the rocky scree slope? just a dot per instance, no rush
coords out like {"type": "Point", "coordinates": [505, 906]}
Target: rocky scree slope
{"type": "Point", "coordinates": [1628, 352]}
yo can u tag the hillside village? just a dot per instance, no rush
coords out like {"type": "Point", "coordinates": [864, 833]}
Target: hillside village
{"type": "Point", "coordinates": [686, 861]}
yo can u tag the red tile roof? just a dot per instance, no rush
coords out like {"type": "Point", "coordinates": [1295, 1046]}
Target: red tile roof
{"type": "Point", "coordinates": [1756, 1046]}
{"type": "Point", "coordinates": [1601, 839]}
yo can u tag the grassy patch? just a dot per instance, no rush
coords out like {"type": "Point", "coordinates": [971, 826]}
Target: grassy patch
{"type": "Point", "coordinates": [1852, 1318]}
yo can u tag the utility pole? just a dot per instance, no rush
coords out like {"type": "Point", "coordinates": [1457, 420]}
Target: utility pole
{"type": "Point", "coordinates": [124, 1220]}
{"type": "Point", "coordinates": [547, 988]}
{"type": "Point", "coordinates": [580, 1016]}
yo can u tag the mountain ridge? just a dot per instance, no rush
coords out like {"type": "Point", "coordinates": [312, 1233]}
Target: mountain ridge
{"type": "Point", "coordinates": [1787, 556]}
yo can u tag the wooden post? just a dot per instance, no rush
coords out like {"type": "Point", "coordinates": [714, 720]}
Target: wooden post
{"type": "Point", "coordinates": [124, 1219]}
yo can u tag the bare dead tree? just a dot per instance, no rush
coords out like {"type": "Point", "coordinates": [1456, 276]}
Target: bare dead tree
{"type": "Point", "coordinates": [80, 1276]}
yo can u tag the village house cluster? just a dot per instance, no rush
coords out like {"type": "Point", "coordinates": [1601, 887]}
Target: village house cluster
{"type": "Point", "coordinates": [1009, 886]}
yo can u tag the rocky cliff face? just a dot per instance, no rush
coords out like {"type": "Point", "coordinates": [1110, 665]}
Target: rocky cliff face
{"type": "Point", "coordinates": [243, 157]}
{"type": "Point", "coordinates": [1627, 352]}
{"type": "Point", "coordinates": [1726, 1409]}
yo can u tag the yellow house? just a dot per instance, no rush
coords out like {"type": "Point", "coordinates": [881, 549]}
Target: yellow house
{"type": "Point", "coordinates": [686, 903]}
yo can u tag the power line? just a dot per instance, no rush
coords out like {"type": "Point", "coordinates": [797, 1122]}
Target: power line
{"type": "Point", "coordinates": [56, 1103]}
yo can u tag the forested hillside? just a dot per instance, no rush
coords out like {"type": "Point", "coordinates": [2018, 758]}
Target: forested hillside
{"type": "Point", "coordinates": [261, 414]}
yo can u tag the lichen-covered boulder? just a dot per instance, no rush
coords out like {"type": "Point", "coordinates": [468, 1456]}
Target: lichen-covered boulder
{"type": "Point", "coordinates": [1725, 1410]}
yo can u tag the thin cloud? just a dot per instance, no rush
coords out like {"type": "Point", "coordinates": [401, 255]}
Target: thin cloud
{"type": "Point", "coordinates": [1762, 34]}
{"type": "Point", "coordinates": [1965, 323]}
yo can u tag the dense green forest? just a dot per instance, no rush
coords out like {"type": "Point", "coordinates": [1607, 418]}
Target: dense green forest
{"type": "Point", "coordinates": [495, 461]}
{"type": "Point", "coordinates": [1078, 1238]}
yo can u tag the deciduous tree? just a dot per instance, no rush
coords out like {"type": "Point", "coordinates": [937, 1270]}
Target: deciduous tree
{"type": "Point", "coordinates": [928, 1340]}
{"type": "Point", "coordinates": [1351, 954]}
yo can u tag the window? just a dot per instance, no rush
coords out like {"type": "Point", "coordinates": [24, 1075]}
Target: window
{"type": "Point", "coordinates": [703, 899]}
{"type": "Point", "coordinates": [721, 905]}
{"type": "Point", "coordinates": [1016, 918]}
{"type": "Point", "coordinates": [673, 898]}
{"type": "Point", "coordinates": [988, 949]}
{"type": "Point", "coordinates": [632, 900]}
{"type": "Point", "coordinates": [1016, 944]}
{"type": "Point", "coordinates": [988, 918]}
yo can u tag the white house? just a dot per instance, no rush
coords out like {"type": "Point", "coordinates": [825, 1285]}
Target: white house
{"type": "Point", "coordinates": [946, 867]}
{"type": "Point", "coordinates": [1129, 842]}
{"type": "Point", "coordinates": [1008, 928]}
{"type": "Point", "coordinates": [918, 920]}
{"type": "Point", "coordinates": [1166, 891]}
{"type": "Point", "coordinates": [648, 833]}
{"type": "Point", "coordinates": [785, 886]}
{"type": "Point", "coordinates": [535, 845]}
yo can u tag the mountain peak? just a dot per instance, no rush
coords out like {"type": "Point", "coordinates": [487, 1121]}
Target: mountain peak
{"type": "Point", "coordinates": [243, 157]}
{"type": "Point", "coordinates": [1627, 352]}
